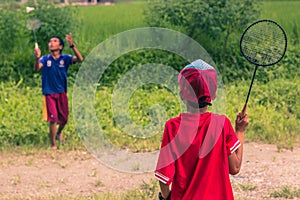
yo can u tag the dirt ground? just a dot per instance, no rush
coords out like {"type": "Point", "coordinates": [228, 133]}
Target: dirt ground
{"type": "Point", "coordinates": [38, 174]}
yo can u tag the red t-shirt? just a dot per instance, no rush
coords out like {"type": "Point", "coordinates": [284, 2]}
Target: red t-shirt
{"type": "Point", "coordinates": [194, 156]}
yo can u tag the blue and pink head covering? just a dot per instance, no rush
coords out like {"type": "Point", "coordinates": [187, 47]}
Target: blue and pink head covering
{"type": "Point", "coordinates": [198, 83]}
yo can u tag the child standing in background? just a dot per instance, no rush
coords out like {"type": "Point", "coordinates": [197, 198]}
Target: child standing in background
{"type": "Point", "coordinates": [54, 83]}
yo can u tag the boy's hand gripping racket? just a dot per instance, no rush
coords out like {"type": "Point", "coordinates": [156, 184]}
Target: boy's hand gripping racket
{"type": "Point", "coordinates": [263, 43]}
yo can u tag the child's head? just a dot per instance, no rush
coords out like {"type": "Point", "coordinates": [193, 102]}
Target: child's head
{"type": "Point", "coordinates": [56, 43]}
{"type": "Point", "coordinates": [198, 84]}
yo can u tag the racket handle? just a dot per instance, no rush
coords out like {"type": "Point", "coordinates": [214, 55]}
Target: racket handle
{"type": "Point", "coordinates": [243, 113]}
{"type": "Point", "coordinates": [36, 46]}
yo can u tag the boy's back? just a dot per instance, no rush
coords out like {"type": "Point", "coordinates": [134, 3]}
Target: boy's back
{"type": "Point", "coordinates": [200, 149]}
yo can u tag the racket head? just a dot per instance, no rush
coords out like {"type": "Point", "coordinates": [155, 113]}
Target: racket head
{"type": "Point", "coordinates": [263, 43]}
{"type": "Point", "coordinates": [33, 24]}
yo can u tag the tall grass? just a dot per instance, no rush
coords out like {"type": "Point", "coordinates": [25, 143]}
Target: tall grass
{"type": "Point", "coordinates": [101, 22]}
{"type": "Point", "coordinates": [287, 14]}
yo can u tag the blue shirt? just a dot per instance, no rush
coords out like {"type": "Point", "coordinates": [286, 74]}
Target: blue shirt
{"type": "Point", "coordinates": [54, 73]}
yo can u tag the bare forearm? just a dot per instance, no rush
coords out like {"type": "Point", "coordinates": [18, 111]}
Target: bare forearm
{"type": "Point", "coordinates": [239, 151]}
{"type": "Point", "coordinates": [77, 54]}
{"type": "Point", "coordinates": [75, 50]}
{"type": "Point", "coordinates": [36, 65]}
{"type": "Point", "coordinates": [236, 158]}
{"type": "Point", "coordinates": [165, 189]}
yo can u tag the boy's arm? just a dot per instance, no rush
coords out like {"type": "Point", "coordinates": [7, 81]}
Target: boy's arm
{"type": "Point", "coordinates": [235, 159]}
{"type": "Point", "coordinates": [37, 64]}
{"type": "Point", "coordinates": [165, 190]}
{"type": "Point", "coordinates": [78, 56]}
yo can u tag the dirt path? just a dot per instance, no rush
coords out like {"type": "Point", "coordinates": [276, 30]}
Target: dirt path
{"type": "Point", "coordinates": [79, 173]}
{"type": "Point", "coordinates": [265, 170]}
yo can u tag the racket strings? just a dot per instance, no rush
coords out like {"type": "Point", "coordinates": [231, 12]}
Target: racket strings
{"type": "Point", "coordinates": [33, 24]}
{"type": "Point", "coordinates": [263, 44]}
{"type": "Point", "coordinates": [261, 55]}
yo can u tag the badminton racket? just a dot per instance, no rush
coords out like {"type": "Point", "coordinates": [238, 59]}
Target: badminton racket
{"type": "Point", "coordinates": [33, 24]}
{"type": "Point", "coordinates": [263, 43]}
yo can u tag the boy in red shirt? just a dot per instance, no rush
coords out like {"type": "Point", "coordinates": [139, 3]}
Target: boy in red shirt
{"type": "Point", "coordinates": [199, 149]}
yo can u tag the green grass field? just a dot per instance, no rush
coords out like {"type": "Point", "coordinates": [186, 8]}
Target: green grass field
{"type": "Point", "coordinates": [101, 22]}
{"type": "Point", "coordinates": [286, 13]}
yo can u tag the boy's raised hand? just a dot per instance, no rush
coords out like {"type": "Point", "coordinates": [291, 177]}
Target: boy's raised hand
{"type": "Point", "coordinates": [69, 39]}
{"type": "Point", "coordinates": [37, 53]}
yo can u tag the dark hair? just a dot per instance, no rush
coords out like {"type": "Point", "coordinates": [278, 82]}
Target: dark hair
{"type": "Point", "coordinates": [61, 42]}
{"type": "Point", "coordinates": [201, 103]}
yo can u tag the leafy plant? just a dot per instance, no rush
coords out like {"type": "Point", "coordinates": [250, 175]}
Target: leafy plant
{"type": "Point", "coordinates": [247, 187]}
{"type": "Point", "coordinates": [214, 24]}
{"type": "Point", "coordinates": [273, 111]}
{"type": "Point", "coordinates": [55, 20]}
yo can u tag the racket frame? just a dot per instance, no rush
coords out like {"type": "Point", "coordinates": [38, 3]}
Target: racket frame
{"type": "Point", "coordinates": [257, 64]}
{"type": "Point", "coordinates": [255, 23]}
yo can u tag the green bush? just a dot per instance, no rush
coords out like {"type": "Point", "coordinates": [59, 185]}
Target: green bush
{"type": "Point", "coordinates": [20, 113]}
{"type": "Point", "coordinates": [21, 118]}
{"type": "Point", "coordinates": [55, 20]}
{"type": "Point", "coordinates": [216, 25]}
{"type": "Point", "coordinates": [139, 58]}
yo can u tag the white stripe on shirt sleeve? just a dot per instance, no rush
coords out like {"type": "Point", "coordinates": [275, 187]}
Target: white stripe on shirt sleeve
{"type": "Point", "coordinates": [161, 177]}
{"type": "Point", "coordinates": [235, 146]}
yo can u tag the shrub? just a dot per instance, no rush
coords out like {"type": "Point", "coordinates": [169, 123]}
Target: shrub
{"type": "Point", "coordinates": [214, 24]}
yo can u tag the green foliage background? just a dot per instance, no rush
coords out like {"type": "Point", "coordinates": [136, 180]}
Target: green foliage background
{"type": "Point", "coordinates": [274, 107]}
